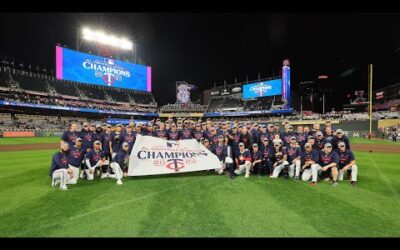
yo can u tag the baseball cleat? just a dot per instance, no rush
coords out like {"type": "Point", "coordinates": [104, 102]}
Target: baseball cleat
{"type": "Point", "coordinates": [63, 187]}
{"type": "Point", "coordinates": [82, 175]}
{"type": "Point", "coordinates": [119, 182]}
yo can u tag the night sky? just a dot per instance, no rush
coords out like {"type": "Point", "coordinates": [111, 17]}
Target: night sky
{"type": "Point", "coordinates": [203, 48]}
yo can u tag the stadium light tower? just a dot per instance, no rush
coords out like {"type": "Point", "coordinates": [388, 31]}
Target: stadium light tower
{"type": "Point", "coordinates": [99, 36]}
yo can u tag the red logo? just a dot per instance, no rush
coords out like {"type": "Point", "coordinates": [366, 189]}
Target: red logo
{"type": "Point", "coordinates": [175, 164]}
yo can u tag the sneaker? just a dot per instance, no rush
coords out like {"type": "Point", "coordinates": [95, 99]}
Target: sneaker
{"type": "Point", "coordinates": [55, 182]}
{"type": "Point", "coordinates": [104, 175]}
{"type": "Point", "coordinates": [353, 183]}
{"type": "Point", "coordinates": [247, 176]}
{"type": "Point", "coordinates": [313, 183]}
{"type": "Point", "coordinates": [119, 182]}
{"type": "Point", "coordinates": [63, 187]}
{"type": "Point", "coordinates": [82, 174]}
{"type": "Point", "coordinates": [334, 184]}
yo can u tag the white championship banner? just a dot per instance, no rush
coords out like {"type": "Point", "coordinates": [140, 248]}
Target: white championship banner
{"type": "Point", "coordinates": [153, 156]}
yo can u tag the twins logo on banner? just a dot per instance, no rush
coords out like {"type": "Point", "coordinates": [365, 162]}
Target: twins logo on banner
{"type": "Point", "coordinates": [107, 70]}
{"type": "Point", "coordinates": [152, 156]}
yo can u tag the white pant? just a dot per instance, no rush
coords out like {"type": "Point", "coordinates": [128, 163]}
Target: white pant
{"type": "Point", "coordinates": [117, 170]}
{"type": "Point", "coordinates": [90, 176]}
{"type": "Point", "coordinates": [220, 170]}
{"type": "Point", "coordinates": [308, 173]}
{"type": "Point", "coordinates": [315, 168]}
{"type": "Point", "coordinates": [62, 175]}
{"type": "Point", "coordinates": [244, 168]}
{"type": "Point", "coordinates": [295, 168]}
{"type": "Point", "coordinates": [354, 172]}
{"type": "Point", "coordinates": [279, 168]}
{"type": "Point", "coordinates": [75, 174]}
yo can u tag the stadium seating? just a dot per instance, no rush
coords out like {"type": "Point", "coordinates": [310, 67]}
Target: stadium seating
{"type": "Point", "coordinates": [4, 77]}
{"type": "Point", "coordinates": [63, 87]}
{"type": "Point", "coordinates": [118, 95]}
{"type": "Point", "coordinates": [214, 103]}
{"type": "Point", "coordinates": [30, 83]}
{"type": "Point", "coordinates": [141, 97]}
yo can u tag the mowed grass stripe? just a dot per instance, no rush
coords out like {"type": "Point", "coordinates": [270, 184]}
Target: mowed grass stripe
{"type": "Point", "coordinates": [196, 204]}
{"type": "Point", "coordinates": [28, 140]}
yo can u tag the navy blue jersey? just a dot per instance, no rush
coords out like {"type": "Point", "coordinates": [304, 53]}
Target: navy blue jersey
{"type": "Point", "coordinates": [255, 156]}
{"type": "Point", "coordinates": [285, 136]}
{"type": "Point", "coordinates": [234, 140]}
{"type": "Point", "coordinates": [320, 143]}
{"type": "Point", "coordinates": [255, 136]}
{"type": "Point", "coordinates": [116, 143]}
{"type": "Point", "coordinates": [220, 151]}
{"type": "Point", "coordinates": [278, 155]}
{"type": "Point", "coordinates": [94, 156]}
{"type": "Point", "coordinates": [267, 152]}
{"type": "Point", "coordinates": [336, 140]}
{"type": "Point", "coordinates": [345, 157]}
{"type": "Point", "coordinates": [198, 135]}
{"type": "Point", "coordinates": [271, 136]}
{"type": "Point", "coordinates": [292, 153]}
{"type": "Point", "coordinates": [207, 133]}
{"type": "Point", "coordinates": [244, 156]}
{"type": "Point", "coordinates": [261, 137]}
{"type": "Point", "coordinates": [59, 161]}
{"type": "Point", "coordinates": [214, 139]}
{"type": "Point", "coordinates": [247, 140]}
{"type": "Point", "coordinates": [105, 142]}
{"type": "Point", "coordinates": [186, 133]}
{"type": "Point", "coordinates": [174, 135]}
{"type": "Point", "coordinates": [129, 138]}
{"type": "Point", "coordinates": [302, 138]}
{"type": "Point", "coordinates": [75, 156]}
{"type": "Point", "coordinates": [326, 159]}
{"type": "Point", "coordinates": [121, 158]}
{"type": "Point", "coordinates": [87, 139]}
{"type": "Point", "coordinates": [144, 131]}
{"type": "Point", "coordinates": [313, 155]}
{"type": "Point", "coordinates": [97, 136]}
{"type": "Point", "coordinates": [70, 137]}
{"type": "Point", "coordinates": [329, 138]}
{"type": "Point", "coordinates": [163, 134]}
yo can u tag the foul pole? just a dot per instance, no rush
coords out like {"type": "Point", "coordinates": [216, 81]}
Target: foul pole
{"type": "Point", "coordinates": [370, 68]}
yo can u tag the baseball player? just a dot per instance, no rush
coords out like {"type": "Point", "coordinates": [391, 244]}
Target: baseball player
{"type": "Point", "coordinates": [119, 164]}
{"type": "Point", "coordinates": [279, 159]}
{"type": "Point", "coordinates": [328, 135]}
{"type": "Point", "coordinates": [220, 150]}
{"type": "Point", "coordinates": [70, 135]}
{"type": "Point", "coordinates": [75, 158]}
{"type": "Point", "coordinates": [206, 143]}
{"type": "Point", "coordinates": [287, 135]}
{"type": "Point", "coordinates": [309, 157]}
{"type": "Point", "coordinates": [327, 165]}
{"type": "Point", "coordinates": [161, 132]}
{"type": "Point", "coordinates": [340, 137]}
{"type": "Point", "coordinates": [257, 158]}
{"type": "Point", "coordinates": [198, 133]}
{"type": "Point", "coordinates": [87, 137]}
{"type": "Point", "coordinates": [243, 161]}
{"type": "Point", "coordinates": [173, 134]}
{"type": "Point", "coordinates": [94, 159]}
{"type": "Point", "coordinates": [246, 138]}
{"type": "Point", "coordinates": [129, 137]}
{"type": "Point", "coordinates": [59, 171]}
{"type": "Point", "coordinates": [267, 153]}
{"type": "Point", "coordinates": [301, 136]}
{"type": "Point", "coordinates": [320, 140]}
{"type": "Point", "coordinates": [293, 157]}
{"type": "Point", "coordinates": [347, 162]}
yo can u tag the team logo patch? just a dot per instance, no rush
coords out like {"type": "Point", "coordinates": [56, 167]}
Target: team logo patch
{"type": "Point", "coordinates": [175, 164]}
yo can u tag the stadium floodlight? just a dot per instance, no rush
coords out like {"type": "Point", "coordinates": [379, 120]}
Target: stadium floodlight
{"type": "Point", "coordinates": [107, 39]}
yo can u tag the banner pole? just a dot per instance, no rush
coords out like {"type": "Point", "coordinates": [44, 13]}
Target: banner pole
{"type": "Point", "coordinates": [370, 100]}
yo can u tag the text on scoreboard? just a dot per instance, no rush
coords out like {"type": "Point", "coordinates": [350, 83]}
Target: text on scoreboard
{"type": "Point", "coordinates": [260, 89]}
{"type": "Point", "coordinates": [86, 68]}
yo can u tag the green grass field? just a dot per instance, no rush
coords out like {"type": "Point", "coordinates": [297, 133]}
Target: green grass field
{"type": "Point", "coordinates": [197, 204]}
{"type": "Point", "coordinates": [29, 140]}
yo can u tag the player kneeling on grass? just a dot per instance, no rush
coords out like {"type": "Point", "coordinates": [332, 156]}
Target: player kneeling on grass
{"type": "Point", "coordinates": [220, 150]}
{"type": "Point", "coordinates": [96, 159]}
{"type": "Point", "coordinates": [120, 163]}
{"type": "Point", "coordinates": [279, 159]}
{"type": "Point", "coordinates": [327, 165]}
{"type": "Point", "coordinates": [75, 158]}
{"type": "Point", "coordinates": [293, 157]}
{"type": "Point", "coordinates": [347, 162]}
{"type": "Point", "coordinates": [243, 161]}
{"type": "Point", "coordinates": [309, 158]}
{"type": "Point", "coordinates": [59, 171]}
